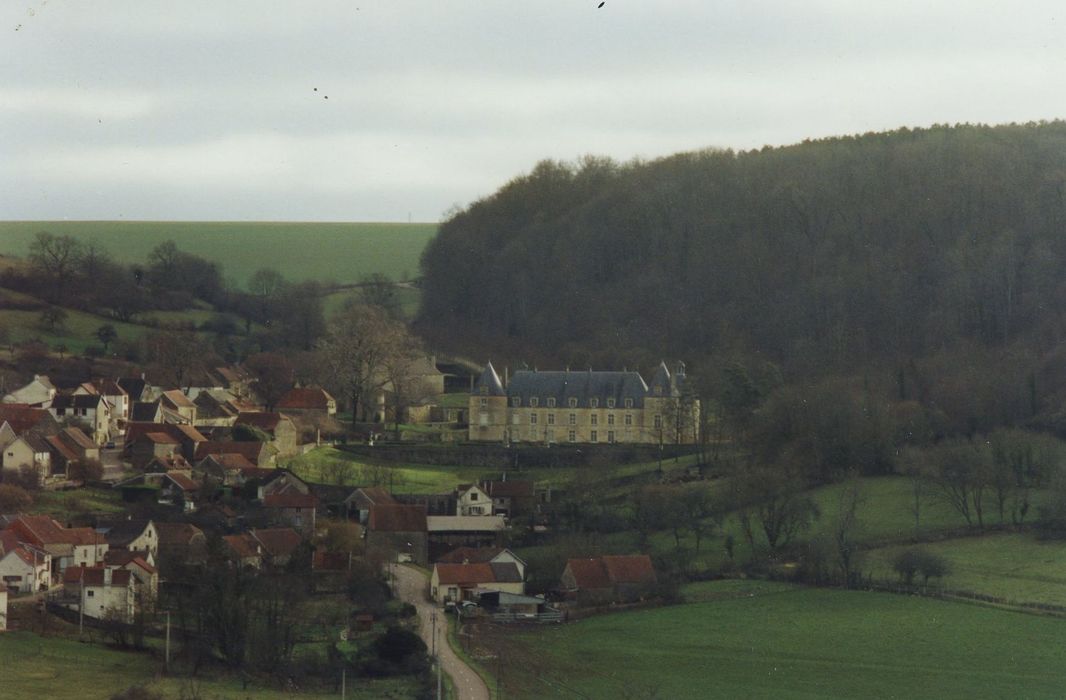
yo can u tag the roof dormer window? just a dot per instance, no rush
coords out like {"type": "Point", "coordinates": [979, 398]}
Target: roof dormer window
{"type": "Point", "coordinates": [629, 403]}
{"type": "Point", "coordinates": [594, 403]}
{"type": "Point", "coordinates": [551, 402]}
{"type": "Point", "coordinates": [484, 391]}
{"type": "Point", "coordinates": [573, 402]}
{"type": "Point", "coordinates": [610, 403]}
{"type": "Point", "coordinates": [516, 401]}
{"type": "Point", "coordinates": [533, 401]}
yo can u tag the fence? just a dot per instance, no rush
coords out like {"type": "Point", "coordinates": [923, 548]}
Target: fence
{"type": "Point", "coordinates": [543, 617]}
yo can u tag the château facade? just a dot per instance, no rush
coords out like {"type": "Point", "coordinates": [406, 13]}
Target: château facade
{"type": "Point", "coordinates": [587, 407]}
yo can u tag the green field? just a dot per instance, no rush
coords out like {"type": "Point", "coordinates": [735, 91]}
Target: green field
{"type": "Point", "coordinates": [37, 667]}
{"type": "Point", "coordinates": [778, 642]}
{"type": "Point", "coordinates": [338, 252]}
{"type": "Point", "coordinates": [1013, 566]}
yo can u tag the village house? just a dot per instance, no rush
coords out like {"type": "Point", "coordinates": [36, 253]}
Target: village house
{"type": "Point", "coordinates": [175, 402]}
{"type": "Point", "coordinates": [471, 500]}
{"type": "Point", "coordinates": [145, 412]}
{"type": "Point", "coordinates": [178, 488]}
{"type": "Point", "coordinates": [609, 579]}
{"type": "Point", "coordinates": [584, 407]}
{"type": "Point", "coordinates": [21, 418]}
{"type": "Point", "coordinates": [297, 510]}
{"type": "Point", "coordinates": [277, 544]}
{"type": "Point", "coordinates": [80, 546]}
{"type": "Point", "coordinates": [187, 437]}
{"type": "Point", "coordinates": [116, 397]}
{"type": "Point", "coordinates": [23, 568]}
{"type": "Point", "coordinates": [261, 454]}
{"type": "Point", "coordinates": [511, 498]}
{"type": "Point", "coordinates": [180, 543]}
{"type": "Point", "coordinates": [100, 592]}
{"type": "Point", "coordinates": [243, 550]}
{"type": "Point", "coordinates": [133, 535]}
{"type": "Point", "coordinates": [397, 531]}
{"type": "Point", "coordinates": [29, 450]}
{"type": "Point", "coordinates": [456, 582]}
{"type": "Point", "coordinates": [226, 469]}
{"type": "Point", "coordinates": [280, 428]}
{"type": "Point", "coordinates": [38, 393]}
{"type": "Point", "coordinates": [89, 411]}
{"type": "Point", "coordinates": [309, 401]}
{"type": "Point", "coordinates": [484, 555]}
{"type": "Point", "coordinates": [363, 498]}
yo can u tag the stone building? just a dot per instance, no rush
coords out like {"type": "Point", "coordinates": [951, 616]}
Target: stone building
{"type": "Point", "coordinates": [584, 407]}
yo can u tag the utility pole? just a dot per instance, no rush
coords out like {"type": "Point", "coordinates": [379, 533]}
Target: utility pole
{"type": "Point", "coordinates": [166, 664]}
{"type": "Point", "coordinates": [81, 605]}
{"type": "Point", "coordinates": [344, 683]}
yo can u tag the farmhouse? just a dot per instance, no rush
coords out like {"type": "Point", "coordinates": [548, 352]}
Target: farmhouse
{"type": "Point", "coordinates": [584, 407]}
{"type": "Point", "coordinates": [308, 401]}
{"type": "Point", "coordinates": [609, 578]}
{"type": "Point", "coordinates": [393, 530]}
{"type": "Point", "coordinates": [100, 591]}
{"type": "Point", "coordinates": [455, 582]}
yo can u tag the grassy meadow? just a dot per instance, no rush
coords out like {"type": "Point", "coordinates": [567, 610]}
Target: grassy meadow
{"type": "Point", "coordinates": [61, 669]}
{"type": "Point", "coordinates": [337, 252]}
{"type": "Point", "coordinates": [777, 641]}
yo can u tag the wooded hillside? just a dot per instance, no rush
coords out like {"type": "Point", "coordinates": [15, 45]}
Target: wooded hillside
{"type": "Point", "coordinates": [935, 256]}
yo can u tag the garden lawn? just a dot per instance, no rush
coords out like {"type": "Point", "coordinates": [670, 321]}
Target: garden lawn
{"type": "Point", "coordinates": [800, 643]}
{"type": "Point", "coordinates": [1013, 566]}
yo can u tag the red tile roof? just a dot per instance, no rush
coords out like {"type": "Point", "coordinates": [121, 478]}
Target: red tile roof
{"type": "Point", "coordinates": [396, 518]}
{"type": "Point", "coordinates": [305, 398]}
{"type": "Point", "coordinates": [330, 561]}
{"type": "Point", "coordinates": [508, 489]}
{"type": "Point", "coordinates": [94, 576]}
{"type": "Point", "coordinates": [61, 448]}
{"type": "Point", "coordinates": [243, 545]}
{"type": "Point", "coordinates": [21, 417]}
{"type": "Point", "coordinates": [260, 419]}
{"type": "Point", "coordinates": [41, 530]}
{"type": "Point", "coordinates": [230, 462]}
{"type": "Point", "coordinates": [607, 571]}
{"type": "Point", "coordinates": [250, 450]}
{"type": "Point", "coordinates": [278, 541]}
{"type": "Point", "coordinates": [77, 439]}
{"type": "Point", "coordinates": [378, 496]}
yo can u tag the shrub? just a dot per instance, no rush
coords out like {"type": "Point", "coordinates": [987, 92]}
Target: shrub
{"type": "Point", "coordinates": [911, 562]}
{"type": "Point", "coordinates": [395, 652]}
{"type": "Point", "coordinates": [14, 498]}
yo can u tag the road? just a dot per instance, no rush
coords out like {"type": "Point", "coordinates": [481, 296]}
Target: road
{"type": "Point", "coordinates": [411, 588]}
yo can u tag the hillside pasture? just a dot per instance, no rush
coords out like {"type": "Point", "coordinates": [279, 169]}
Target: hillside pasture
{"type": "Point", "coordinates": [339, 252]}
{"type": "Point", "coordinates": [1014, 566]}
{"type": "Point", "coordinates": [784, 642]}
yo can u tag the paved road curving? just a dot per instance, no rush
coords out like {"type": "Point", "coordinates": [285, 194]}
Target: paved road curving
{"type": "Point", "coordinates": [411, 588]}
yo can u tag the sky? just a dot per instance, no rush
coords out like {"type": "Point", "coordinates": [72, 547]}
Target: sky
{"type": "Point", "coordinates": [398, 110]}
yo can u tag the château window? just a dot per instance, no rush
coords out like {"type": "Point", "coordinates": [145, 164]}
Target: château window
{"type": "Point", "coordinates": [610, 403]}
{"type": "Point", "coordinates": [629, 419]}
{"type": "Point", "coordinates": [484, 391]}
{"type": "Point", "coordinates": [571, 436]}
{"type": "Point", "coordinates": [629, 403]}
{"type": "Point", "coordinates": [592, 436]}
{"type": "Point", "coordinates": [516, 401]}
{"type": "Point", "coordinates": [533, 401]}
{"type": "Point", "coordinates": [594, 403]}
{"type": "Point", "coordinates": [532, 418]}
{"type": "Point", "coordinates": [551, 402]}
{"type": "Point", "coordinates": [594, 419]}
{"type": "Point", "coordinates": [658, 421]}
{"type": "Point", "coordinates": [573, 419]}
{"type": "Point", "coordinates": [572, 402]}
{"type": "Point", "coordinates": [658, 391]}
{"type": "Point", "coordinates": [610, 419]}
{"type": "Point", "coordinates": [610, 436]}
{"type": "Point", "coordinates": [551, 419]}
{"type": "Point", "coordinates": [484, 403]}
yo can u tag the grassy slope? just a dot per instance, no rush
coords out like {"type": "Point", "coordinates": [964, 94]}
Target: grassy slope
{"type": "Point", "coordinates": [60, 669]}
{"type": "Point", "coordinates": [1013, 566]}
{"type": "Point", "coordinates": [341, 252]}
{"type": "Point", "coordinates": [803, 643]}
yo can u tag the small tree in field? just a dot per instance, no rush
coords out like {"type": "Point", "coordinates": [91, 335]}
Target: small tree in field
{"type": "Point", "coordinates": [106, 334]}
{"type": "Point", "coordinates": [53, 317]}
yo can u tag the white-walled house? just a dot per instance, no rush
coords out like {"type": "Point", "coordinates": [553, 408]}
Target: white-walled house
{"type": "Point", "coordinates": [24, 569]}
{"type": "Point", "coordinates": [101, 590]}
{"type": "Point", "coordinates": [455, 582]}
{"type": "Point", "coordinates": [472, 500]}
{"type": "Point", "coordinates": [37, 393]}
{"type": "Point", "coordinates": [91, 412]}
{"type": "Point", "coordinates": [29, 450]}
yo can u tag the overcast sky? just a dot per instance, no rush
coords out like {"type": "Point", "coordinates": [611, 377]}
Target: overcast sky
{"type": "Point", "coordinates": [219, 111]}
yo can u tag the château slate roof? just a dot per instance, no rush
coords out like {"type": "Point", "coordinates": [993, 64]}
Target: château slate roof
{"type": "Point", "coordinates": [491, 380]}
{"type": "Point", "coordinates": [581, 385]}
